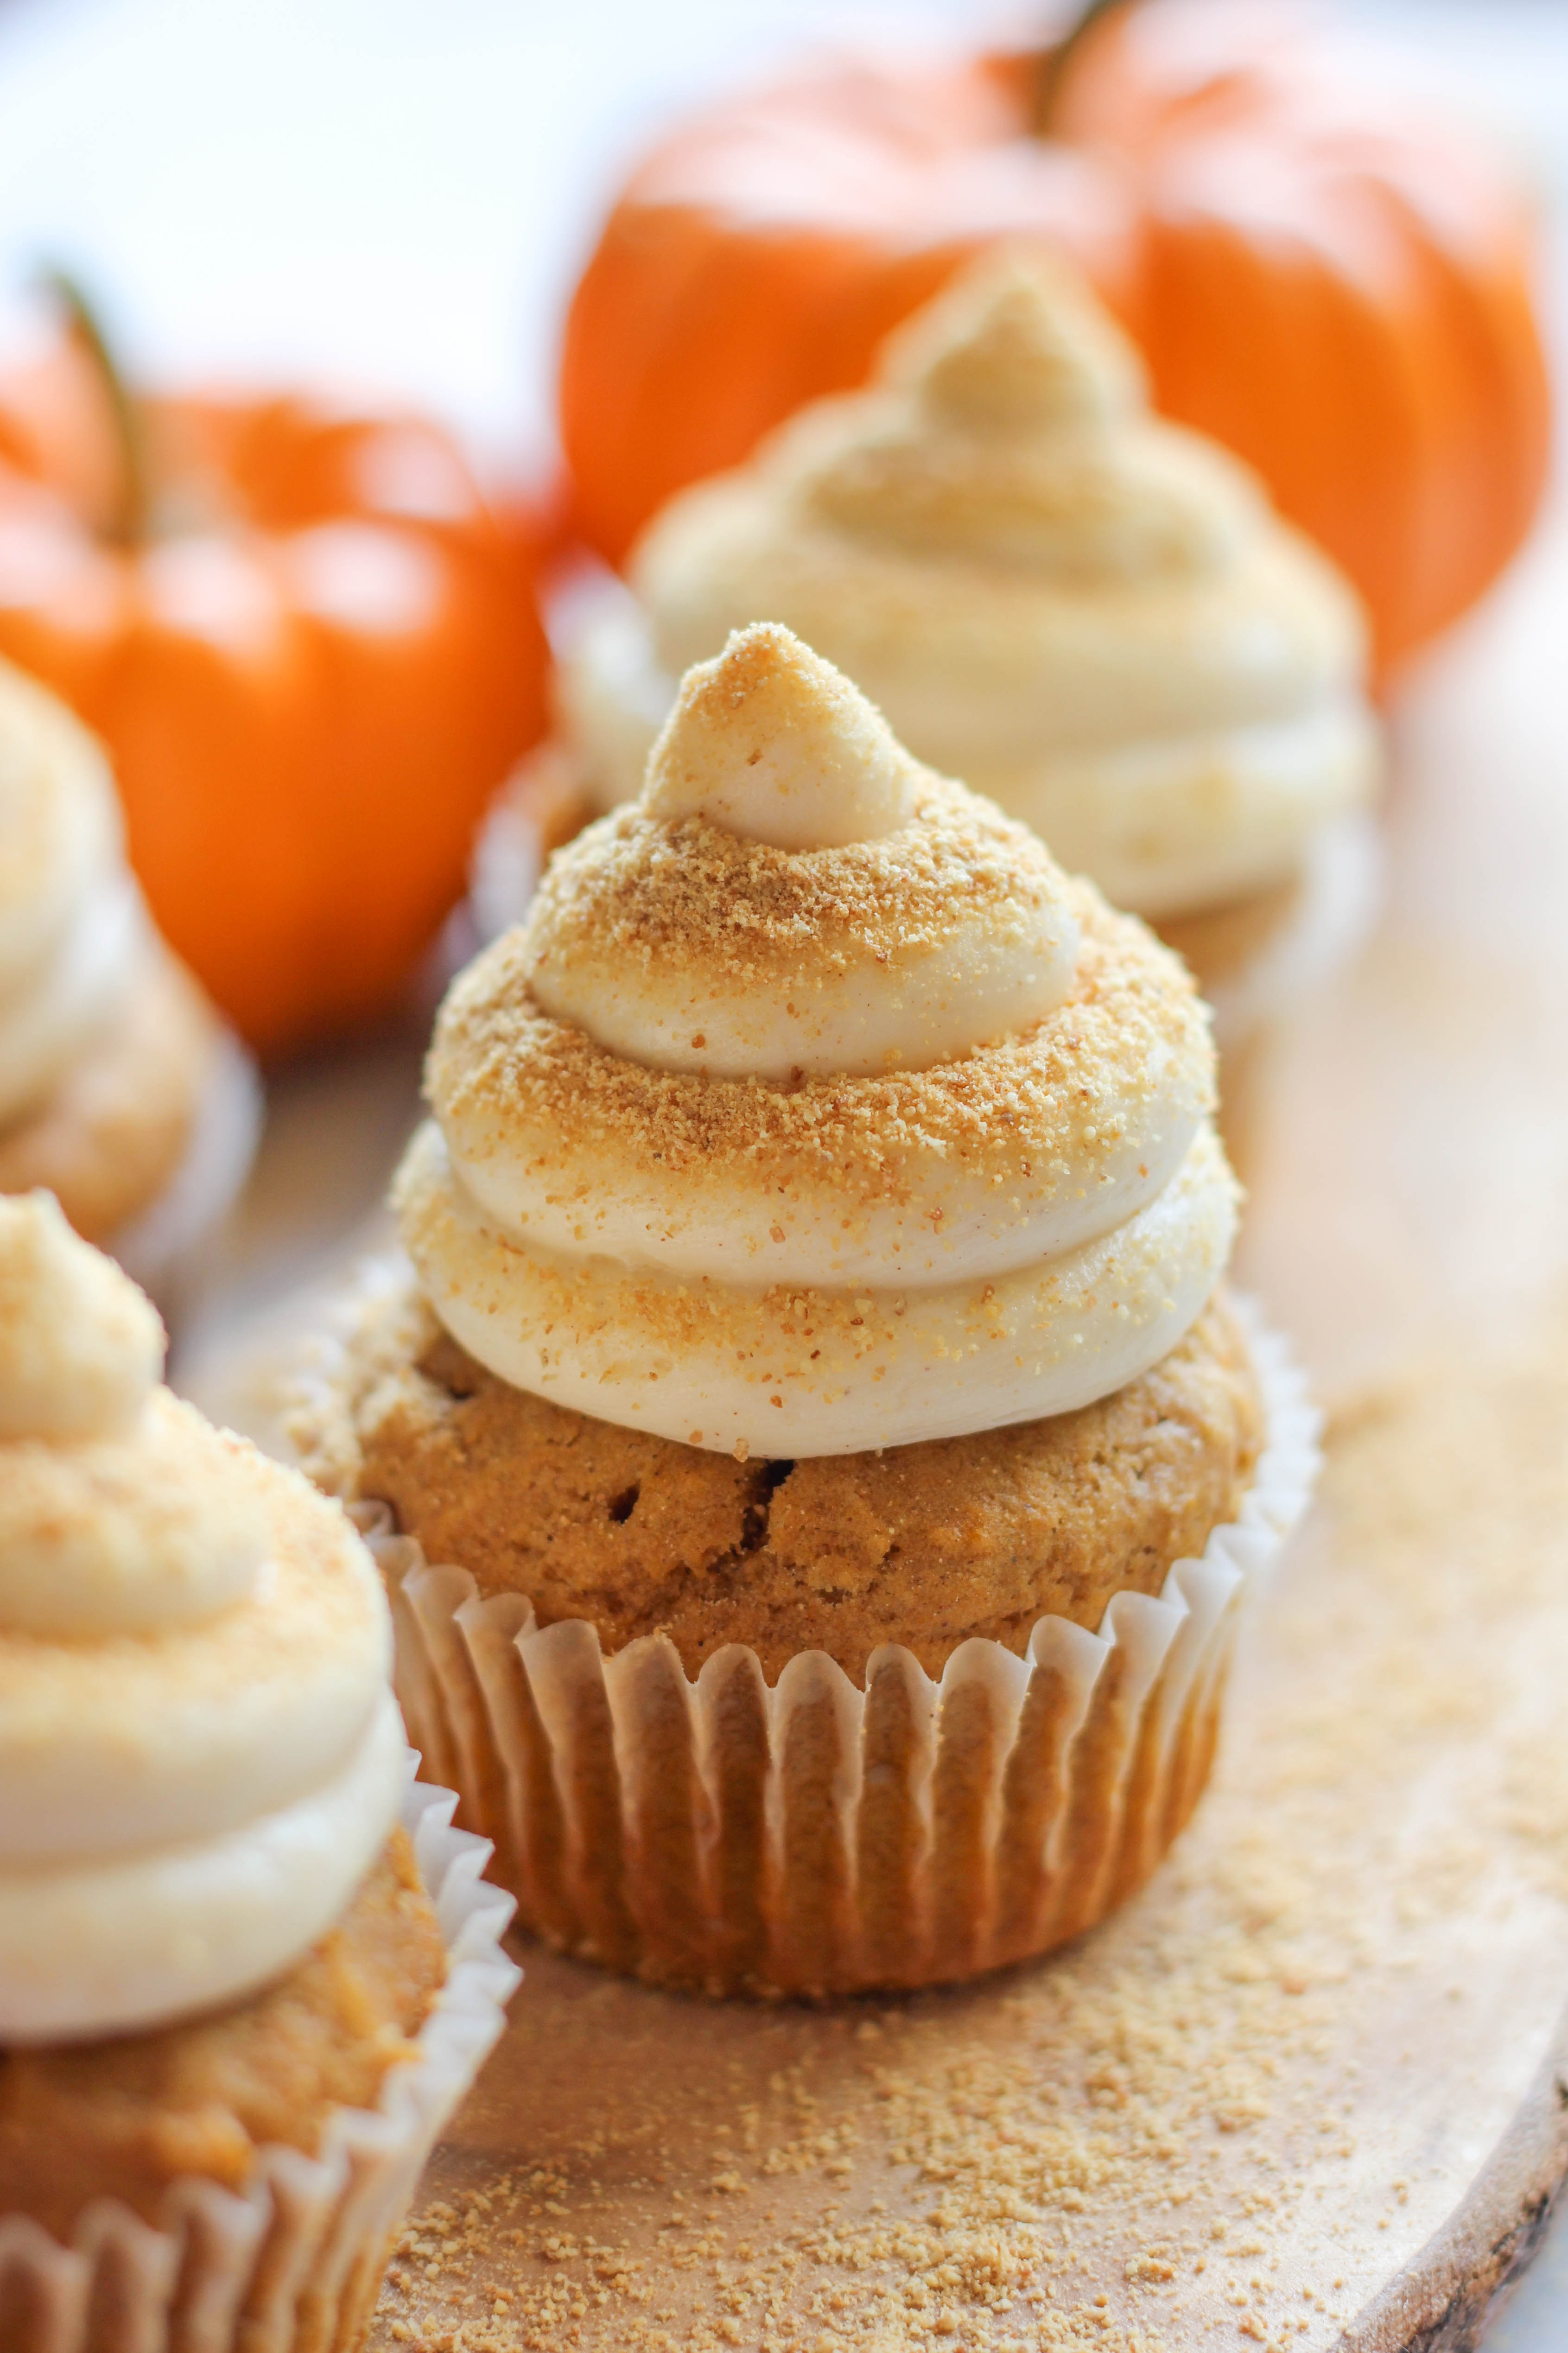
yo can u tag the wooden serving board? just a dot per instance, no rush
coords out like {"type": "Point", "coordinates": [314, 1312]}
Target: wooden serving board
{"type": "Point", "coordinates": [1304, 2089]}
{"type": "Point", "coordinates": [1312, 2088]}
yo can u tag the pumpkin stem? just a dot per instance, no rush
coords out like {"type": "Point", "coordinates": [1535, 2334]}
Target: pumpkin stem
{"type": "Point", "coordinates": [127, 525]}
{"type": "Point", "coordinates": [1057, 62]}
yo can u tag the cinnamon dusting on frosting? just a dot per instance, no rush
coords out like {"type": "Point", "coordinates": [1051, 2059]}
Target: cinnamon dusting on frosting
{"type": "Point", "coordinates": [808, 1150]}
{"type": "Point", "coordinates": [199, 1757]}
{"type": "Point", "coordinates": [1088, 613]}
{"type": "Point", "coordinates": [1012, 429]}
{"type": "Point", "coordinates": [556, 1103]}
{"type": "Point", "coordinates": [771, 745]}
{"type": "Point", "coordinates": [676, 939]}
{"type": "Point", "coordinates": [80, 1347]}
{"type": "Point", "coordinates": [747, 913]}
{"type": "Point", "coordinates": [1012, 346]}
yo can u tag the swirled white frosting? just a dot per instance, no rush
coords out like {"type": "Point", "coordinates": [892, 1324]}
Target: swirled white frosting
{"type": "Point", "coordinates": [1090, 615]}
{"type": "Point", "coordinates": [199, 1759]}
{"type": "Point", "coordinates": [815, 1109]}
{"type": "Point", "coordinates": [72, 926]}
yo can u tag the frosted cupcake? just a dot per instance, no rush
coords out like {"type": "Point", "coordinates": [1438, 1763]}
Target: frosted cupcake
{"type": "Point", "coordinates": [820, 1460]}
{"type": "Point", "coordinates": [1089, 615]}
{"type": "Point", "coordinates": [246, 1971]}
{"type": "Point", "coordinates": [120, 1090]}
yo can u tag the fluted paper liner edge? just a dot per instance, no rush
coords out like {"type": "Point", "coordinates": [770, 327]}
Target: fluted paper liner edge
{"type": "Point", "coordinates": [162, 1248]}
{"type": "Point", "coordinates": [813, 1838]}
{"type": "Point", "coordinates": [293, 2264]}
{"type": "Point", "coordinates": [1342, 888]}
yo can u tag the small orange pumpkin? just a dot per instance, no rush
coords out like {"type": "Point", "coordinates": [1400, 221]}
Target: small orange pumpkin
{"type": "Point", "coordinates": [1317, 276]}
{"type": "Point", "coordinates": [311, 651]}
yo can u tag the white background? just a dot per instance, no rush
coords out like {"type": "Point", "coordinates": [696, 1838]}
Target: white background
{"type": "Point", "coordinates": [399, 191]}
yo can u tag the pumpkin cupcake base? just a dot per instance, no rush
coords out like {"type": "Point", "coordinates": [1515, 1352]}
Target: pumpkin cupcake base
{"type": "Point", "coordinates": [924, 1546]}
{"type": "Point", "coordinates": [123, 2117]}
{"type": "Point", "coordinates": [777, 1826]}
{"type": "Point", "coordinates": [136, 2210]}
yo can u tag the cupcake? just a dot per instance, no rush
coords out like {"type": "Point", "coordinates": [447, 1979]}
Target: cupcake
{"type": "Point", "coordinates": [818, 1460]}
{"type": "Point", "coordinates": [1090, 615]}
{"type": "Point", "coordinates": [122, 1092]}
{"type": "Point", "coordinates": [245, 1969]}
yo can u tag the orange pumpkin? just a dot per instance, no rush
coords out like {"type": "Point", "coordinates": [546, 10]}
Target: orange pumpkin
{"type": "Point", "coordinates": [1318, 277]}
{"type": "Point", "coordinates": [311, 651]}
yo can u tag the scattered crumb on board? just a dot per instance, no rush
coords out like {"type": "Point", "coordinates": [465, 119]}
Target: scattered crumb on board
{"type": "Point", "coordinates": [1223, 2120]}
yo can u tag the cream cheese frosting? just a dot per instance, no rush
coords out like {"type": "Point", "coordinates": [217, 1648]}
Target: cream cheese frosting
{"type": "Point", "coordinates": [815, 1109]}
{"type": "Point", "coordinates": [72, 925]}
{"type": "Point", "coordinates": [199, 1756]}
{"type": "Point", "coordinates": [1091, 615]}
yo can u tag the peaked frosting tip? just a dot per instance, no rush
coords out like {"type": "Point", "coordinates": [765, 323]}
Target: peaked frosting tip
{"type": "Point", "coordinates": [81, 1348]}
{"type": "Point", "coordinates": [771, 744]}
{"type": "Point", "coordinates": [1014, 345]}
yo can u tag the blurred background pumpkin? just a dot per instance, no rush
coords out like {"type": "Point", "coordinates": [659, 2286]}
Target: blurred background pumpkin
{"type": "Point", "coordinates": [1319, 276]}
{"type": "Point", "coordinates": [312, 649]}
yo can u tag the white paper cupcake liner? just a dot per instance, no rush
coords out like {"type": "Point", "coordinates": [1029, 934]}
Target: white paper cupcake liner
{"type": "Point", "coordinates": [160, 1250]}
{"type": "Point", "coordinates": [812, 1838]}
{"type": "Point", "coordinates": [294, 2264]}
{"type": "Point", "coordinates": [1342, 891]}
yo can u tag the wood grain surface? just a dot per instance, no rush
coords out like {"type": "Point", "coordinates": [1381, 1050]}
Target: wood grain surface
{"type": "Point", "coordinates": [1304, 2090]}
{"type": "Point", "coordinates": [1312, 2088]}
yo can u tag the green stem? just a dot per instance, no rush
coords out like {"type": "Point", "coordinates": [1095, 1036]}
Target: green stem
{"type": "Point", "coordinates": [127, 525]}
{"type": "Point", "coordinates": [1059, 60]}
